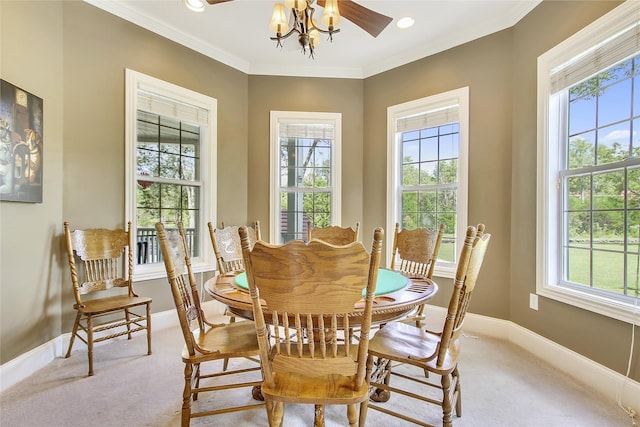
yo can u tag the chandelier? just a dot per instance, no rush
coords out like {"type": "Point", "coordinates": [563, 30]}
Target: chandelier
{"type": "Point", "coordinates": [303, 23]}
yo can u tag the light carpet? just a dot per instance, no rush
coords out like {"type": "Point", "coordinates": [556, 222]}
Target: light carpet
{"type": "Point", "coordinates": [502, 385]}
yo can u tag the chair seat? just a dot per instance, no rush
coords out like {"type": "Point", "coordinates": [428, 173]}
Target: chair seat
{"type": "Point", "coordinates": [323, 389]}
{"type": "Point", "coordinates": [237, 339]}
{"type": "Point", "coordinates": [105, 305]}
{"type": "Point", "coordinates": [406, 343]}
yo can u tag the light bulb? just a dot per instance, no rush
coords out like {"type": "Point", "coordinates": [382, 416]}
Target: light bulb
{"type": "Point", "coordinates": [194, 5]}
{"type": "Point", "coordinates": [296, 4]}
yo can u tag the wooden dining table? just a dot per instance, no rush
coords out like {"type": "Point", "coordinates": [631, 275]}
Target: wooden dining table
{"type": "Point", "coordinates": [406, 293]}
{"type": "Point", "coordinates": [396, 296]}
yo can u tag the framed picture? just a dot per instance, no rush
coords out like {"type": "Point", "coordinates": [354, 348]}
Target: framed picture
{"type": "Point", "coordinates": [21, 153]}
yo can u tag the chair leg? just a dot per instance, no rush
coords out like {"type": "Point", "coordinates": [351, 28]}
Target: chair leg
{"type": "Point", "coordinates": [446, 401]}
{"type": "Point", "coordinates": [318, 419]}
{"type": "Point", "coordinates": [352, 415]}
{"type": "Point", "coordinates": [275, 413]}
{"type": "Point", "coordinates": [362, 419]}
{"type": "Point", "coordinates": [127, 317]}
{"type": "Point", "coordinates": [73, 334]}
{"type": "Point", "coordinates": [232, 319]}
{"type": "Point", "coordinates": [195, 374]}
{"type": "Point", "coordinates": [268, 406]}
{"type": "Point", "coordinates": [456, 393]}
{"type": "Point", "coordinates": [186, 395]}
{"type": "Point", "coordinates": [90, 343]}
{"type": "Point", "coordinates": [148, 329]}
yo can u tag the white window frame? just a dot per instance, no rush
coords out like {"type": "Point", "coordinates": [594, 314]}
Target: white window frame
{"type": "Point", "coordinates": [459, 97]}
{"type": "Point", "coordinates": [294, 117]}
{"type": "Point", "coordinates": [208, 160]}
{"type": "Point", "coordinates": [549, 199]}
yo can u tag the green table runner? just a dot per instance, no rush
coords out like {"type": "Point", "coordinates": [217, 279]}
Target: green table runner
{"type": "Point", "coordinates": [388, 281]}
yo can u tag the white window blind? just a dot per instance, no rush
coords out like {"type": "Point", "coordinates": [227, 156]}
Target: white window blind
{"type": "Point", "coordinates": [617, 48]}
{"type": "Point", "coordinates": [428, 119]}
{"type": "Point", "coordinates": [168, 107]}
{"type": "Point", "coordinates": [306, 130]}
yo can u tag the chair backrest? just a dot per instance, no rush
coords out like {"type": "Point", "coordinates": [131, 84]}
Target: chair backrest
{"type": "Point", "coordinates": [415, 251]}
{"type": "Point", "coordinates": [177, 262]}
{"type": "Point", "coordinates": [471, 258]}
{"type": "Point", "coordinates": [333, 234]}
{"type": "Point", "coordinates": [227, 247]}
{"type": "Point", "coordinates": [312, 288]}
{"type": "Point", "coordinates": [106, 257]}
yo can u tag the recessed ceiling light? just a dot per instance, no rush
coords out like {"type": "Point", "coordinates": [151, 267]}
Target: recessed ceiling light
{"type": "Point", "coordinates": [405, 22]}
{"type": "Point", "coordinates": [194, 5]}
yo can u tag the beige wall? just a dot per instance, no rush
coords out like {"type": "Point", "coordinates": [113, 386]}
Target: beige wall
{"type": "Point", "coordinates": [306, 94]}
{"type": "Point", "coordinates": [483, 66]}
{"type": "Point", "coordinates": [30, 259]}
{"type": "Point", "coordinates": [98, 47]}
{"type": "Point", "coordinates": [77, 56]}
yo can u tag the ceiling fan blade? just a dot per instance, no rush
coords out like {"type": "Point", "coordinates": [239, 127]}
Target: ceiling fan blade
{"type": "Point", "coordinates": [217, 1]}
{"type": "Point", "coordinates": [370, 21]}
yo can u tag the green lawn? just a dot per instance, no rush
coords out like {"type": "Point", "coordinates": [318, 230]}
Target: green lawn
{"type": "Point", "coordinates": [608, 267]}
{"type": "Point", "coordinates": [608, 259]}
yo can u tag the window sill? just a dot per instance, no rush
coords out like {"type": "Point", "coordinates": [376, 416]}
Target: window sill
{"type": "Point", "coordinates": [447, 270]}
{"type": "Point", "coordinates": [157, 271]}
{"type": "Point", "coordinates": [620, 310]}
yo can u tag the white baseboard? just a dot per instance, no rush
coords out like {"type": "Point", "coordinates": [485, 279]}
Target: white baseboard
{"type": "Point", "coordinates": [608, 381]}
{"type": "Point", "coordinates": [27, 363]}
{"type": "Point", "coordinates": [611, 383]}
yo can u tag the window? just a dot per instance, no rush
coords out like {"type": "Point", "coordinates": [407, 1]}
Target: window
{"type": "Point", "coordinates": [427, 169]}
{"type": "Point", "coordinates": [170, 156]}
{"type": "Point", "coordinates": [589, 167]}
{"type": "Point", "coordinates": [305, 173]}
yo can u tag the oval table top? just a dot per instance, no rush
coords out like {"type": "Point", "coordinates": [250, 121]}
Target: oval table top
{"type": "Point", "coordinates": [386, 307]}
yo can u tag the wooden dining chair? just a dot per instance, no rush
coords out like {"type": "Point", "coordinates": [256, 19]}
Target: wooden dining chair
{"type": "Point", "coordinates": [105, 302]}
{"type": "Point", "coordinates": [333, 234]}
{"type": "Point", "coordinates": [227, 247]}
{"type": "Point", "coordinates": [427, 351]}
{"type": "Point", "coordinates": [310, 291]}
{"type": "Point", "coordinates": [228, 252]}
{"type": "Point", "coordinates": [205, 342]}
{"type": "Point", "coordinates": [414, 254]}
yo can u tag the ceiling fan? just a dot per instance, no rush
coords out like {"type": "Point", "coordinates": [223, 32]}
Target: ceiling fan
{"type": "Point", "coordinates": [370, 21]}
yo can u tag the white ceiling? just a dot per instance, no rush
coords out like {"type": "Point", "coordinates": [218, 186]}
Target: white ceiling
{"type": "Point", "coordinates": [237, 33]}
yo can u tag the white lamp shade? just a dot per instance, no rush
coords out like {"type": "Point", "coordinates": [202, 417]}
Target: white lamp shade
{"type": "Point", "coordinates": [278, 22]}
{"type": "Point", "coordinates": [314, 38]}
{"type": "Point", "coordinates": [331, 14]}
{"type": "Point", "coordinates": [296, 4]}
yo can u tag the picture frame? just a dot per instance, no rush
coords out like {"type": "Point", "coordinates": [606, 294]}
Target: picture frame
{"type": "Point", "coordinates": [21, 144]}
